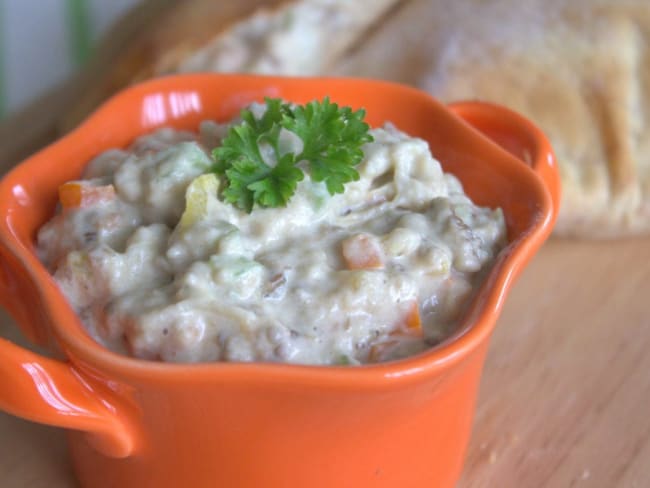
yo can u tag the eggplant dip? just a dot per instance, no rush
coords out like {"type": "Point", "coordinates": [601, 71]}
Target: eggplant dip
{"type": "Point", "coordinates": [304, 237]}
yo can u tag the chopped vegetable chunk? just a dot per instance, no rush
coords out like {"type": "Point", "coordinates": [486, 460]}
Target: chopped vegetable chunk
{"type": "Point", "coordinates": [74, 194]}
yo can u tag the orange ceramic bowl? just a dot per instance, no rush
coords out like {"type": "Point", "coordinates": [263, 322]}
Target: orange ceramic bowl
{"type": "Point", "coordinates": [139, 424]}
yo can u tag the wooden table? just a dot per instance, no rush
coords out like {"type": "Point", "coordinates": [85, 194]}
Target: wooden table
{"type": "Point", "coordinates": [565, 396]}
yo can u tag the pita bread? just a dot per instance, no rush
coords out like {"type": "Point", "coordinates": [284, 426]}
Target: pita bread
{"type": "Point", "coordinates": [579, 69]}
{"type": "Point", "coordinates": [288, 37]}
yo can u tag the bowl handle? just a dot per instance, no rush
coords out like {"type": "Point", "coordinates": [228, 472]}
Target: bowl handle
{"type": "Point", "coordinates": [55, 392]}
{"type": "Point", "coordinates": [516, 134]}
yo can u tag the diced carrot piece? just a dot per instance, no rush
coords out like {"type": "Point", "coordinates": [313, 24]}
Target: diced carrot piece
{"type": "Point", "coordinates": [361, 251]}
{"type": "Point", "coordinates": [413, 323]}
{"type": "Point", "coordinates": [377, 350]}
{"type": "Point", "coordinates": [75, 194]}
{"type": "Point", "coordinates": [413, 320]}
{"type": "Point", "coordinates": [70, 194]}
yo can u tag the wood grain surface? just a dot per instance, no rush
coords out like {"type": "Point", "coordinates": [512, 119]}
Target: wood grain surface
{"type": "Point", "coordinates": [565, 395]}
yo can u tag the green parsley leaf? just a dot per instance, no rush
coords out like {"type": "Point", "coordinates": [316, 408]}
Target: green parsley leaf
{"type": "Point", "coordinates": [332, 139]}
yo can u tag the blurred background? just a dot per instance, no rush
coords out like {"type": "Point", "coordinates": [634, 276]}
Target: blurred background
{"type": "Point", "coordinates": [42, 42]}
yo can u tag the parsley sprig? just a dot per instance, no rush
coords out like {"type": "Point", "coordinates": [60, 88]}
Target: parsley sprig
{"type": "Point", "coordinates": [331, 136]}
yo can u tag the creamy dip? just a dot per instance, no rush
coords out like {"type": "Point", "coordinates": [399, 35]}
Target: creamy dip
{"type": "Point", "coordinates": [159, 268]}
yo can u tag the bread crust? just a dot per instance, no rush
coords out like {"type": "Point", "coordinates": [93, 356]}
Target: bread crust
{"type": "Point", "coordinates": [151, 40]}
{"type": "Point", "coordinates": [580, 69]}
{"type": "Point", "coordinates": [184, 36]}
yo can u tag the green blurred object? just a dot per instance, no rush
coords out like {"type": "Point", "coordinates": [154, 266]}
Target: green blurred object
{"type": "Point", "coordinates": [80, 40]}
{"type": "Point", "coordinates": [3, 88]}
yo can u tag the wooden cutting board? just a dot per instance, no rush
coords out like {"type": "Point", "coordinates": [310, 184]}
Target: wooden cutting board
{"type": "Point", "coordinates": [565, 395]}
